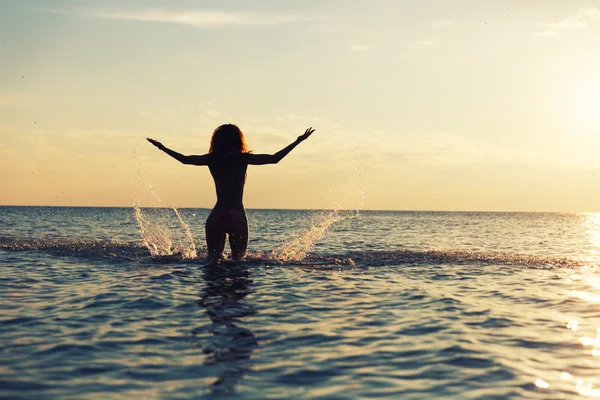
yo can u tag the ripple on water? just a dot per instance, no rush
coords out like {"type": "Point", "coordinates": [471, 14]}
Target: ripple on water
{"type": "Point", "coordinates": [279, 332]}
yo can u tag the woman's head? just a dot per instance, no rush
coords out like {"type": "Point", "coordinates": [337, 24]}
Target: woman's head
{"type": "Point", "coordinates": [228, 139]}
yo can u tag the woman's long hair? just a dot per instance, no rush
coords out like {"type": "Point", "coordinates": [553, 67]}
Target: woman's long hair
{"type": "Point", "coordinates": [227, 140]}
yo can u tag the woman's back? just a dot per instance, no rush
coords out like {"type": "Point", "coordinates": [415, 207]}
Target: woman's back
{"type": "Point", "coordinates": [229, 174]}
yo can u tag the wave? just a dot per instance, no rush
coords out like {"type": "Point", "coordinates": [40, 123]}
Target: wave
{"type": "Point", "coordinates": [93, 249]}
{"type": "Point", "coordinates": [122, 251]}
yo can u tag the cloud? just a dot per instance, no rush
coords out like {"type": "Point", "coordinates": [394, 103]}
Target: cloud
{"type": "Point", "coordinates": [446, 150]}
{"type": "Point", "coordinates": [208, 114]}
{"type": "Point", "coordinates": [208, 108]}
{"type": "Point", "coordinates": [297, 117]}
{"type": "Point", "coordinates": [592, 12]}
{"type": "Point", "coordinates": [576, 21]}
{"type": "Point", "coordinates": [443, 148]}
{"type": "Point", "coordinates": [194, 18]}
{"type": "Point", "coordinates": [359, 47]}
{"type": "Point", "coordinates": [546, 32]}
{"type": "Point", "coordinates": [423, 43]}
{"type": "Point", "coordinates": [443, 24]}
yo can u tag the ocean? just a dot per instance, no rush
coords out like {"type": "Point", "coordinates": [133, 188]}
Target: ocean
{"type": "Point", "coordinates": [119, 303]}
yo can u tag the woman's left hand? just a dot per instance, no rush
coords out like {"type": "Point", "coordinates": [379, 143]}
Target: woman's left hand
{"type": "Point", "coordinates": [307, 133]}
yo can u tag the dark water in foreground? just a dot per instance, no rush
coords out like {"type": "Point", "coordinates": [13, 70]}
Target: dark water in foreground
{"type": "Point", "coordinates": [386, 304]}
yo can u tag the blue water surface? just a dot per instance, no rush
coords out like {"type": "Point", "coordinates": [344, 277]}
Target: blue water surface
{"type": "Point", "coordinates": [408, 305]}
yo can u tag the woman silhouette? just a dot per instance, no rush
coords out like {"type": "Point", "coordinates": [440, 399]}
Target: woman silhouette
{"type": "Point", "coordinates": [228, 160]}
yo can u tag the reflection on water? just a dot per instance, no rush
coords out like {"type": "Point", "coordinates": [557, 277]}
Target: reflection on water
{"type": "Point", "coordinates": [587, 281]}
{"type": "Point", "coordinates": [232, 344]}
{"type": "Point", "coordinates": [437, 306]}
{"type": "Point", "coordinates": [591, 223]}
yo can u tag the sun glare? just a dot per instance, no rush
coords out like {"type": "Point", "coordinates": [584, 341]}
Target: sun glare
{"type": "Point", "coordinates": [584, 107]}
{"type": "Point", "coordinates": [592, 228]}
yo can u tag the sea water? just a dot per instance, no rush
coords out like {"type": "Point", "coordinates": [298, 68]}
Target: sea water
{"type": "Point", "coordinates": [118, 303]}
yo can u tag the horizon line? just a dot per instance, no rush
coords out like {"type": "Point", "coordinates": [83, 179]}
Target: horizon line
{"type": "Point", "coordinates": [316, 209]}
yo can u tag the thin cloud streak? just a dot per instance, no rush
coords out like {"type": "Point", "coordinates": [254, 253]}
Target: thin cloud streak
{"type": "Point", "coordinates": [359, 47]}
{"type": "Point", "coordinates": [444, 149]}
{"type": "Point", "coordinates": [576, 21]}
{"type": "Point", "coordinates": [423, 43]}
{"type": "Point", "coordinates": [194, 18]}
{"type": "Point", "coordinates": [443, 24]}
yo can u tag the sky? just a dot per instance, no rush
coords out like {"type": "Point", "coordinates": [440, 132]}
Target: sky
{"type": "Point", "coordinates": [463, 105]}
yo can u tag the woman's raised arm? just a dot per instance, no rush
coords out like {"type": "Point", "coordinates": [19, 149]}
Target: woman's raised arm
{"type": "Point", "coordinates": [190, 160]}
{"type": "Point", "coordinates": [262, 159]}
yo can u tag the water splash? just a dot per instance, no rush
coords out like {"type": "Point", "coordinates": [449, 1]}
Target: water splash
{"type": "Point", "coordinates": [159, 240]}
{"type": "Point", "coordinates": [296, 248]}
{"type": "Point", "coordinates": [155, 238]}
{"type": "Point", "coordinates": [350, 201]}
{"type": "Point", "coordinates": [160, 236]}
{"type": "Point", "coordinates": [191, 253]}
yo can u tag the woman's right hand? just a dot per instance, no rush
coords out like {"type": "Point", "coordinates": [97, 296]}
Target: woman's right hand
{"type": "Point", "coordinates": [156, 143]}
{"type": "Point", "coordinates": [307, 133]}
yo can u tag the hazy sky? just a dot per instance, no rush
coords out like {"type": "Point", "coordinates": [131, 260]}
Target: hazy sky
{"type": "Point", "coordinates": [418, 104]}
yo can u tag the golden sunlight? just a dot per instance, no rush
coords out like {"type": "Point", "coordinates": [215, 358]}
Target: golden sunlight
{"type": "Point", "coordinates": [584, 106]}
{"type": "Point", "coordinates": [591, 223]}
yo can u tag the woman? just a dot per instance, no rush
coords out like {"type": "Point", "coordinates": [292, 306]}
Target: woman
{"type": "Point", "coordinates": [228, 160]}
